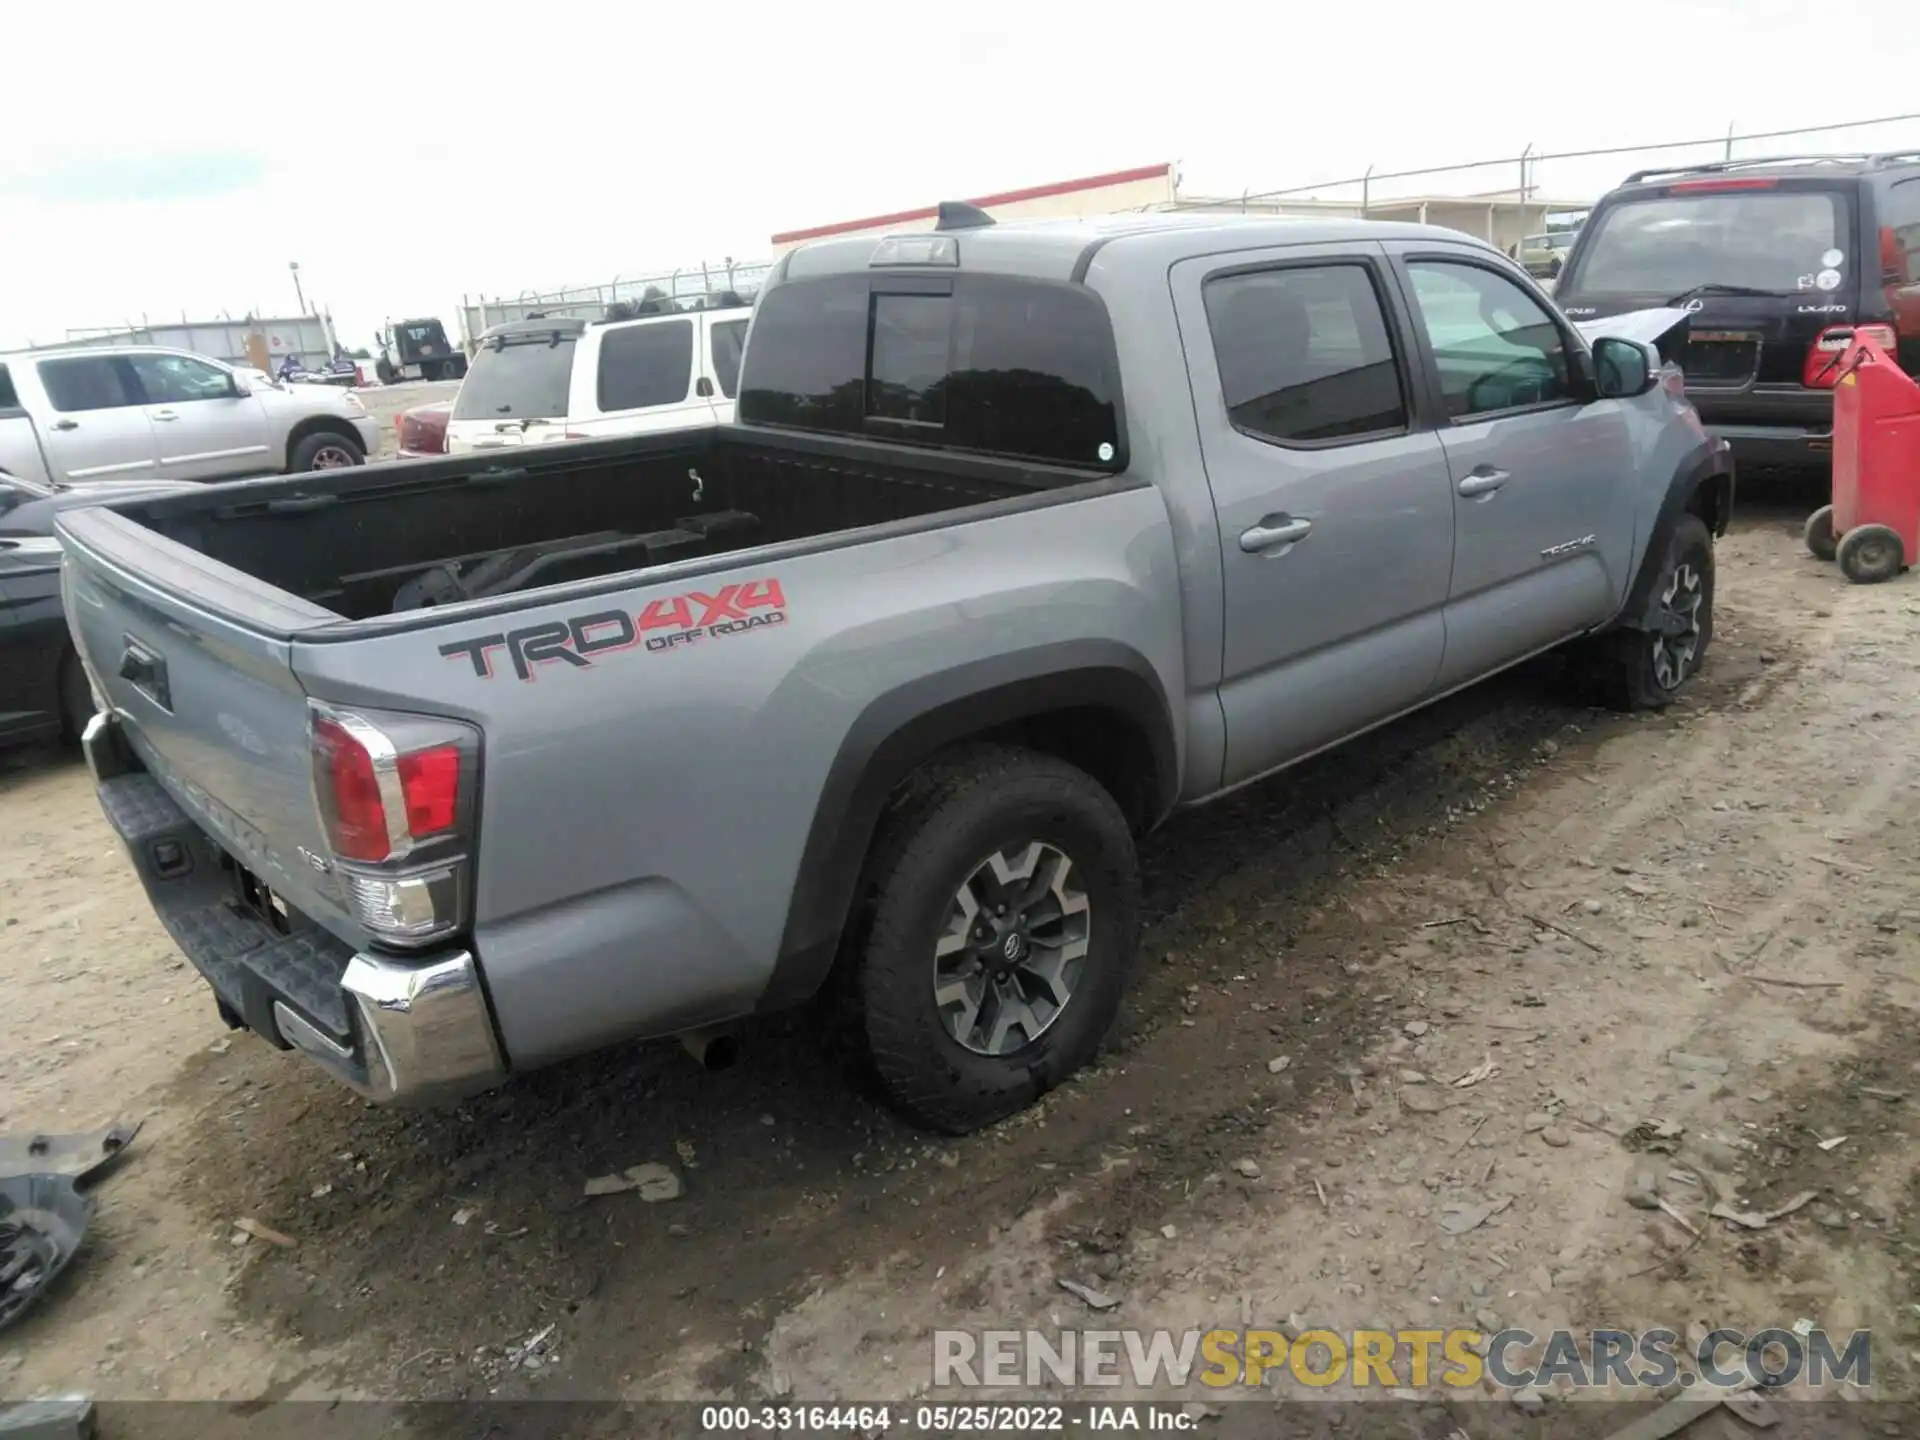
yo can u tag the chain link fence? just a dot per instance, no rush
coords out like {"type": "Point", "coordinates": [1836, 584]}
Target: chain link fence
{"type": "Point", "coordinates": [686, 287]}
{"type": "Point", "coordinates": [1577, 174]}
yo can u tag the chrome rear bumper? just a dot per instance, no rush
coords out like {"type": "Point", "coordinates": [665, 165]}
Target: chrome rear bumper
{"type": "Point", "coordinates": [412, 1029]}
{"type": "Point", "coordinates": [424, 1030]}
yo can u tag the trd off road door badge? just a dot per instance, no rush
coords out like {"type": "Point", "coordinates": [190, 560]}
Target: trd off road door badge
{"type": "Point", "coordinates": [671, 624]}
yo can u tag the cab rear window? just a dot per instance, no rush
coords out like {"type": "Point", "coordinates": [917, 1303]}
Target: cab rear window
{"type": "Point", "coordinates": [1783, 241]}
{"type": "Point", "coordinates": [995, 365]}
{"type": "Point", "coordinates": [518, 377]}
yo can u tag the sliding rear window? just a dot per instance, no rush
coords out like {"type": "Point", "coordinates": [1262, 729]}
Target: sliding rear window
{"type": "Point", "coordinates": [1785, 241]}
{"type": "Point", "coordinates": [522, 376]}
{"type": "Point", "coordinates": [991, 364]}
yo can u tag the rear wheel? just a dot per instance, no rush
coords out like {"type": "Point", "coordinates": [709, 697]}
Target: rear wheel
{"type": "Point", "coordinates": [1819, 533]}
{"type": "Point", "coordinates": [1869, 554]}
{"type": "Point", "coordinates": [1002, 936]}
{"type": "Point", "coordinates": [326, 450]}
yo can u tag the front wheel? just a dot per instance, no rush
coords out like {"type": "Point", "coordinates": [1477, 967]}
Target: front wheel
{"type": "Point", "coordinates": [326, 450]}
{"type": "Point", "coordinates": [1647, 666]}
{"type": "Point", "coordinates": [1869, 554]}
{"type": "Point", "coordinates": [1819, 534]}
{"type": "Point", "coordinates": [1002, 938]}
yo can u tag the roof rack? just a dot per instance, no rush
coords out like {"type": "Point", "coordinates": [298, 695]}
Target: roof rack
{"type": "Point", "coordinates": [649, 305]}
{"type": "Point", "coordinates": [1718, 167]}
{"type": "Point", "coordinates": [1721, 167]}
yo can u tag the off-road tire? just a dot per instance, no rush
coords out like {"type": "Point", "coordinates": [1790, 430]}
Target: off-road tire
{"type": "Point", "coordinates": [1819, 536]}
{"type": "Point", "coordinates": [1619, 665]}
{"type": "Point", "coordinates": [957, 813]}
{"type": "Point", "coordinates": [310, 446]}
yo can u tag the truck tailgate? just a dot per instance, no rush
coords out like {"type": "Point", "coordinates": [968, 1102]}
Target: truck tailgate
{"type": "Point", "coordinates": [209, 703]}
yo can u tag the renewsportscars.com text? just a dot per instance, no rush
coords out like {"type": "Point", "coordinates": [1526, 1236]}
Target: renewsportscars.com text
{"type": "Point", "coordinates": [1390, 1359]}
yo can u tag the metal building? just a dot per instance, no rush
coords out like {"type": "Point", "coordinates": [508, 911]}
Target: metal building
{"type": "Point", "coordinates": [262, 343]}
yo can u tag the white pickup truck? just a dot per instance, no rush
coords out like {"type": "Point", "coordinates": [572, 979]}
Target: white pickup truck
{"type": "Point", "coordinates": [144, 413]}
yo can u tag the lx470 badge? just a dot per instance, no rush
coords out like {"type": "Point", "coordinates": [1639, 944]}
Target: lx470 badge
{"type": "Point", "coordinates": [670, 624]}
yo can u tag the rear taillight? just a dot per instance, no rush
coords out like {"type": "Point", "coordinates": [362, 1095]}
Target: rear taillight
{"type": "Point", "coordinates": [351, 804]}
{"type": "Point", "coordinates": [1821, 370]}
{"type": "Point", "coordinates": [396, 796]}
{"type": "Point", "coordinates": [430, 785]}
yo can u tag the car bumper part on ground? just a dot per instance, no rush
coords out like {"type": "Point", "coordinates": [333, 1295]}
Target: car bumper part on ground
{"type": "Point", "coordinates": [394, 1028]}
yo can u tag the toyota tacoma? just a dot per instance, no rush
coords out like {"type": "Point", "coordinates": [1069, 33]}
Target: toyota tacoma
{"type": "Point", "coordinates": [1027, 536]}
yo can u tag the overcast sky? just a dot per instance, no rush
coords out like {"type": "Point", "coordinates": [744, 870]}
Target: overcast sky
{"type": "Point", "coordinates": [164, 159]}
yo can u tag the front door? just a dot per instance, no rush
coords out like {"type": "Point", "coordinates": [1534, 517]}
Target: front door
{"type": "Point", "coordinates": [202, 427]}
{"type": "Point", "coordinates": [1334, 507]}
{"type": "Point", "coordinates": [1543, 507]}
{"type": "Point", "coordinates": [98, 429]}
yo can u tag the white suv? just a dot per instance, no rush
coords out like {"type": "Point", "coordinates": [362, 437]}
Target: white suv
{"type": "Point", "coordinates": [535, 381]}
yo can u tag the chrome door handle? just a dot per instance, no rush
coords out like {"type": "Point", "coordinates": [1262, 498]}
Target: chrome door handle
{"type": "Point", "coordinates": [1483, 482]}
{"type": "Point", "coordinates": [65, 425]}
{"type": "Point", "coordinates": [166, 415]}
{"type": "Point", "coordinates": [1283, 531]}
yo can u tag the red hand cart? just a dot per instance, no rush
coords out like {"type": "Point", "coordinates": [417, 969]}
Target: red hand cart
{"type": "Point", "coordinates": [1873, 525]}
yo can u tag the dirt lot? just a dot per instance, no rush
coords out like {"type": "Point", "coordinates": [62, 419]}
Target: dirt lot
{"type": "Point", "coordinates": [1556, 901]}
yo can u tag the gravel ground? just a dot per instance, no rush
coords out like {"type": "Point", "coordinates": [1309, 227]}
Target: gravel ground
{"type": "Point", "coordinates": [1487, 941]}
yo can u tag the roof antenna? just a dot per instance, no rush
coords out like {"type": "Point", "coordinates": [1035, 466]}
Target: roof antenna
{"type": "Point", "coordinates": [958, 215]}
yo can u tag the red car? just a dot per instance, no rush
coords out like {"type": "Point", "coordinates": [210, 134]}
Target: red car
{"type": "Point", "coordinates": [423, 429]}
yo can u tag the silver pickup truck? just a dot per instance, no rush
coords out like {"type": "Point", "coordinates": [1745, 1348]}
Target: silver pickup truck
{"type": "Point", "coordinates": [1027, 536]}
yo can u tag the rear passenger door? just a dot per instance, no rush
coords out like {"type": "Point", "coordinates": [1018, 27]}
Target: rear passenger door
{"type": "Point", "coordinates": [643, 379]}
{"type": "Point", "coordinates": [1334, 505]}
{"type": "Point", "coordinates": [1542, 503]}
{"type": "Point", "coordinates": [98, 429]}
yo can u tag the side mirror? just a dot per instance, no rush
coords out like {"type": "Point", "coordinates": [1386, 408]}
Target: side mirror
{"type": "Point", "coordinates": [1624, 368]}
{"type": "Point", "coordinates": [242, 386]}
{"type": "Point", "coordinates": [11, 496]}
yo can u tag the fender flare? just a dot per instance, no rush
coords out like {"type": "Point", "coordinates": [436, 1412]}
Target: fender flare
{"type": "Point", "coordinates": [902, 728]}
{"type": "Point", "coordinates": [1707, 464]}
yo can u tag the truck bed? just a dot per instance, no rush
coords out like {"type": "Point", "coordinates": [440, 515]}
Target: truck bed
{"type": "Point", "coordinates": [389, 539]}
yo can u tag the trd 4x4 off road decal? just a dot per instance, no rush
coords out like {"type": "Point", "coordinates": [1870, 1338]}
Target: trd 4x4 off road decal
{"type": "Point", "coordinates": [671, 624]}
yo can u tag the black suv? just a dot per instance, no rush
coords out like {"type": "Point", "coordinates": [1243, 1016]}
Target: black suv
{"type": "Point", "coordinates": [1780, 260]}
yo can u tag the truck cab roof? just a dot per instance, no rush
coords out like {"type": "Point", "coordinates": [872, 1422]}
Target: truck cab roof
{"type": "Point", "coordinates": [1065, 249]}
